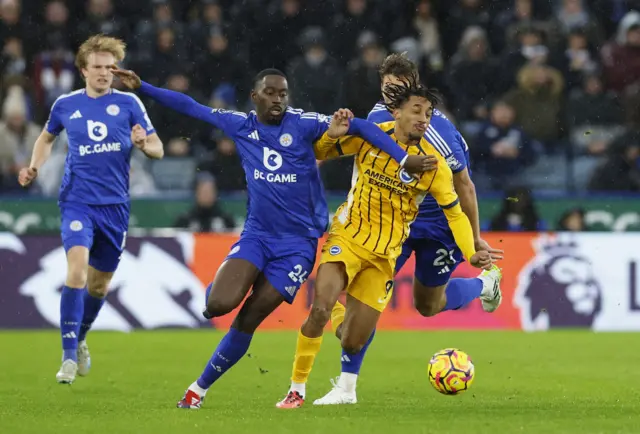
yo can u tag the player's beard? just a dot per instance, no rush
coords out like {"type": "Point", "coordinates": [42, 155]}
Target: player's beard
{"type": "Point", "coordinates": [415, 137]}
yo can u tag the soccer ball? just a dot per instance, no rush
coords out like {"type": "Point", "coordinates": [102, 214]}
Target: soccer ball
{"type": "Point", "coordinates": [451, 371]}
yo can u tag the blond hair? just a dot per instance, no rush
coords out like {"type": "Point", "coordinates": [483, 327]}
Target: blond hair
{"type": "Point", "coordinates": [100, 44]}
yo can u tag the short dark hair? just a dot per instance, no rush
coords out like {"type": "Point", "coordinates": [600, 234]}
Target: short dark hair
{"type": "Point", "coordinates": [398, 64]}
{"type": "Point", "coordinates": [398, 94]}
{"type": "Point", "coordinates": [269, 71]}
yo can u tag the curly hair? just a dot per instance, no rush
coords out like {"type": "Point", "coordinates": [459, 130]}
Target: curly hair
{"type": "Point", "coordinates": [398, 94]}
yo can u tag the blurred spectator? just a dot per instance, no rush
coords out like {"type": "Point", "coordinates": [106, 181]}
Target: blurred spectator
{"type": "Point", "coordinates": [12, 61]}
{"type": "Point", "coordinates": [17, 137]}
{"type": "Point", "coordinates": [356, 17]}
{"type": "Point", "coordinates": [206, 215]}
{"type": "Point", "coordinates": [464, 14]}
{"type": "Point", "coordinates": [573, 15]}
{"type": "Point", "coordinates": [220, 65]}
{"type": "Point", "coordinates": [518, 213]}
{"type": "Point", "coordinates": [10, 24]}
{"type": "Point", "coordinates": [531, 48]}
{"type": "Point", "coordinates": [226, 165]}
{"type": "Point", "coordinates": [148, 31]}
{"type": "Point", "coordinates": [55, 32]}
{"type": "Point", "coordinates": [100, 19]}
{"type": "Point", "coordinates": [315, 79]}
{"type": "Point", "coordinates": [54, 75]}
{"type": "Point", "coordinates": [362, 83]}
{"type": "Point", "coordinates": [621, 171]}
{"type": "Point", "coordinates": [177, 147]}
{"type": "Point", "coordinates": [576, 59]}
{"type": "Point", "coordinates": [472, 74]}
{"type": "Point", "coordinates": [593, 115]}
{"type": "Point", "coordinates": [621, 59]}
{"type": "Point", "coordinates": [209, 21]}
{"type": "Point", "coordinates": [501, 148]}
{"type": "Point", "coordinates": [428, 36]}
{"type": "Point", "coordinates": [573, 221]}
{"type": "Point", "coordinates": [538, 101]}
{"type": "Point", "coordinates": [508, 23]}
{"type": "Point", "coordinates": [163, 60]}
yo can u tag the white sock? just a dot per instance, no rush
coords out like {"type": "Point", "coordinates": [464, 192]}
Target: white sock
{"type": "Point", "coordinates": [301, 388]}
{"type": "Point", "coordinates": [348, 381]}
{"type": "Point", "coordinates": [199, 390]}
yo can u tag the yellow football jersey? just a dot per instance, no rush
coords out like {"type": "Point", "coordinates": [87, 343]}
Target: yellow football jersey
{"type": "Point", "coordinates": [384, 198]}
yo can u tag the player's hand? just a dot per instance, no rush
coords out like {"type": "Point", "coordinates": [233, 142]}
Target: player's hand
{"type": "Point", "coordinates": [481, 259]}
{"type": "Point", "coordinates": [496, 254]}
{"type": "Point", "coordinates": [340, 123]}
{"type": "Point", "coordinates": [139, 136]}
{"type": "Point", "coordinates": [129, 78]}
{"type": "Point", "coordinates": [417, 164]}
{"type": "Point", "coordinates": [27, 175]}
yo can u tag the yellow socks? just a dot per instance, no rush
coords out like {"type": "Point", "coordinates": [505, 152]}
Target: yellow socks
{"type": "Point", "coordinates": [306, 351]}
{"type": "Point", "coordinates": [337, 316]}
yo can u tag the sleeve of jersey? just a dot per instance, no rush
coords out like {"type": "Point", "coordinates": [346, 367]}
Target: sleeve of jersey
{"type": "Point", "coordinates": [449, 144]}
{"type": "Point", "coordinates": [188, 106]}
{"type": "Point", "coordinates": [54, 125]}
{"type": "Point", "coordinates": [141, 117]}
{"type": "Point", "coordinates": [326, 148]}
{"type": "Point", "coordinates": [443, 191]}
{"type": "Point", "coordinates": [378, 138]}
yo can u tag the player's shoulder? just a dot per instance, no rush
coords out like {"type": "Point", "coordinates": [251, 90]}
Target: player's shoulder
{"type": "Point", "coordinates": [67, 98]}
{"type": "Point", "coordinates": [379, 113]}
{"type": "Point", "coordinates": [296, 114]}
{"type": "Point", "coordinates": [387, 126]}
{"type": "Point", "coordinates": [121, 97]}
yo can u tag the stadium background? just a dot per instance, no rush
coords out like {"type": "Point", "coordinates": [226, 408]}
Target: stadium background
{"type": "Point", "coordinates": [545, 92]}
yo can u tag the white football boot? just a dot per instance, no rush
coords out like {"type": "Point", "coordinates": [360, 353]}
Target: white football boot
{"type": "Point", "coordinates": [340, 394]}
{"type": "Point", "coordinates": [84, 359]}
{"type": "Point", "coordinates": [491, 295]}
{"type": "Point", "coordinates": [67, 372]}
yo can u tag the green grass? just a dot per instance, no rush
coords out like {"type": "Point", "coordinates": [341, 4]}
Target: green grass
{"type": "Point", "coordinates": [560, 382]}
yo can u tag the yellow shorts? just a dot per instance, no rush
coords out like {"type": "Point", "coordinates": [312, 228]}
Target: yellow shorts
{"type": "Point", "coordinates": [370, 277]}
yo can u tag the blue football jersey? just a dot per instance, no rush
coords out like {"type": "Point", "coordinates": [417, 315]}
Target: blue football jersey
{"type": "Point", "coordinates": [286, 196]}
{"type": "Point", "coordinates": [447, 140]}
{"type": "Point", "coordinates": [99, 132]}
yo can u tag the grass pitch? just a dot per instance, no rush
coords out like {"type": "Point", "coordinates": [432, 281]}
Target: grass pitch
{"type": "Point", "coordinates": [559, 382]}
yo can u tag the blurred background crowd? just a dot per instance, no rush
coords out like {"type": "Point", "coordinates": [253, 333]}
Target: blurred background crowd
{"type": "Point", "coordinates": [546, 92]}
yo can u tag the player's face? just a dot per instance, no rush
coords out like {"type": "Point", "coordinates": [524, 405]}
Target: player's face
{"type": "Point", "coordinates": [413, 117]}
{"type": "Point", "coordinates": [271, 97]}
{"type": "Point", "coordinates": [98, 74]}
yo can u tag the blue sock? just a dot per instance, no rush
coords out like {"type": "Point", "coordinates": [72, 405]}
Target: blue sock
{"type": "Point", "coordinates": [231, 348]}
{"type": "Point", "coordinates": [461, 292]}
{"type": "Point", "coordinates": [351, 363]}
{"type": "Point", "coordinates": [92, 306]}
{"type": "Point", "coordinates": [70, 317]}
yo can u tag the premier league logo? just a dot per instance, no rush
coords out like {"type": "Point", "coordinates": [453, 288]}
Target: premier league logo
{"type": "Point", "coordinates": [558, 288]}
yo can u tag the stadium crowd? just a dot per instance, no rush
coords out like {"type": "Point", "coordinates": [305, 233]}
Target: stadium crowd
{"type": "Point", "coordinates": [546, 92]}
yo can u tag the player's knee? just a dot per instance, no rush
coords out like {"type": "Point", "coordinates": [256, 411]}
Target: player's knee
{"type": "Point", "coordinates": [76, 276]}
{"type": "Point", "coordinates": [429, 308]}
{"type": "Point", "coordinates": [219, 307]}
{"type": "Point", "coordinates": [98, 289]}
{"type": "Point", "coordinates": [320, 314]}
{"type": "Point", "coordinates": [351, 344]}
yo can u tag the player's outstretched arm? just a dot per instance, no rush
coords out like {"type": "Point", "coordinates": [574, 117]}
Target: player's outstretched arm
{"type": "Point", "coordinates": [41, 153]}
{"type": "Point", "coordinates": [168, 98]}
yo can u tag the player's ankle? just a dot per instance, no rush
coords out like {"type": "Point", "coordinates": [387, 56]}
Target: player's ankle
{"type": "Point", "coordinates": [301, 388]}
{"type": "Point", "coordinates": [348, 381]}
{"type": "Point", "coordinates": [199, 390]}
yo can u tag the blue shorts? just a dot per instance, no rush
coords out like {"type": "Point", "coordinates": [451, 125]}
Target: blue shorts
{"type": "Point", "coordinates": [100, 228]}
{"type": "Point", "coordinates": [285, 262]}
{"type": "Point", "coordinates": [434, 262]}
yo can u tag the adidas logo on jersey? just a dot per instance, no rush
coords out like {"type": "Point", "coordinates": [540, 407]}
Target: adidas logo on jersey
{"type": "Point", "coordinates": [254, 135]}
{"type": "Point", "coordinates": [76, 115]}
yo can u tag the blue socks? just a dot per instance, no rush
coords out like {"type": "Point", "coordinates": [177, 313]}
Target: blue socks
{"type": "Point", "coordinates": [231, 348]}
{"type": "Point", "coordinates": [351, 363]}
{"type": "Point", "coordinates": [70, 316]}
{"type": "Point", "coordinates": [461, 292]}
{"type": "Point", "coordinates": [92, 306]}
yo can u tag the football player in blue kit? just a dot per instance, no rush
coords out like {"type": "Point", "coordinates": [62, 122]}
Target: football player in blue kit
{"type": "Point", "coordinates": [103, 126]}
{"type": "Point", "coordinates": [286, 210]}
{"type": "Point", "coordinates": [430, 240]}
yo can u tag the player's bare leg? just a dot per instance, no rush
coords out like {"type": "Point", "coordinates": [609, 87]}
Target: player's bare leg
{"type": "Point", "coordinates": [259, 305]}
{"type": "Point", "coordinates": [233, 280]}
{"type": "Point", "coordinates": [359, 324]}
{"type": "Point", "coordinates": [331, 281]}
{"type": "Point", "coordinates": [428, 300]}
{"type": "Point", "coordinates": [71, 311]}
{"type": "Point", "coordinates": [97, 289]}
